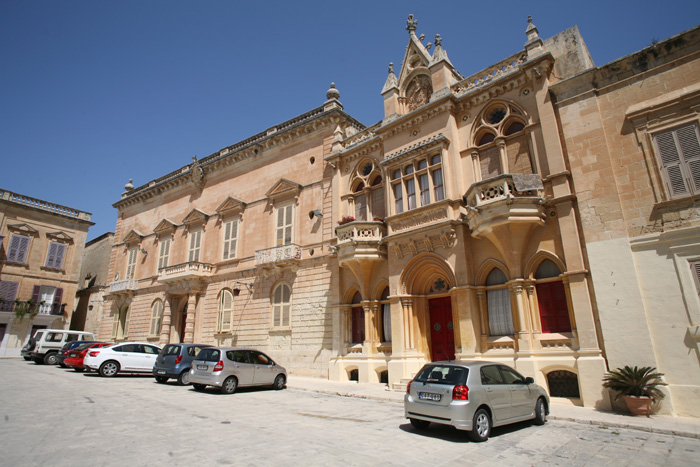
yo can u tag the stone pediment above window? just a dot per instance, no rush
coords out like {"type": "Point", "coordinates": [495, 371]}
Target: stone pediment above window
{"type": "Point", "coordinates": [195, 218]}
{"type": "Point", "coordinates": [283, 189]}
{"type": "Point", "coordinates": [165, 227]}
{"type": "Point", "coordinates": [134, 236]}
{"type": "Point", "coordinates": [25, 229]}
{"type": "Point", "coordinates": [230, 207]}
{"type": "Point", "coordinates": [59, 236]}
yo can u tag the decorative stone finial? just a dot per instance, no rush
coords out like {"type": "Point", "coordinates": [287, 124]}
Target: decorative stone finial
{"type": "Point", "coordinates": [129, 186]}
{"type": "Point", "coordinates": [411, 24]}
{"type": "Point", "coordinates": [332, 93]}
{"type": "Point", "coordinates": [391, 68]}
{"type": "Point", "coordinates": [438, 40]}
{"type": "Point", "coordinates": [533, 46]}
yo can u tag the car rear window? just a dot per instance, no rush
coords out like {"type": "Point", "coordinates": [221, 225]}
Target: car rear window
{"type": "Point", "coordinates": [442, 374]}
{"type": "Point", "coordinates": [170, 350]}
{"type": "Point", "coordinates": [209, 355]}
{"type": "Point", "coordinates": [83, 346]}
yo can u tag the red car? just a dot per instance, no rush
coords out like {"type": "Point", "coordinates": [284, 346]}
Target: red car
{"type": "Point", "coordinates": [75, 357]}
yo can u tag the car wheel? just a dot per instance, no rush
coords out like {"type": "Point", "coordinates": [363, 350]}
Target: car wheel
{"type": "Point", "coordinates": [230, 385]}
{"type": "Point", "coordinates": [109, 368]}
{"type": "Point", "coordinates": [199, 387]}
{"type": "Point", "coordinates": [481, 428]}
{"type": "Point", "coordinates": [279, 382]}
{"type": "Point", "coordinates": [162, 379]}
{"type": "Point", "coordinates": [540, 412]}
{"type": "Point", "coordinates": [79, 370]}
{"type": "Point", "coordinates": [51, 358]}
{"type": "Point", "coordinates": [184, 378]}
{"type": "Point", "coordinates": [420, 424]}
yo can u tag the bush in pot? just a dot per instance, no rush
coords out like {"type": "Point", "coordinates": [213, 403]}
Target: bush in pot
{"type": "Point", "coordinates": [639, 386]}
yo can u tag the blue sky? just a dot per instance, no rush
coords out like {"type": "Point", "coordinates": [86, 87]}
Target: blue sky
{"type": "Point", "coordinates": [93, 93]}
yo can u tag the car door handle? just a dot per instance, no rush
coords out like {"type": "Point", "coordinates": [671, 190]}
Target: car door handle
{"type": "Point", "coordinates": [489, 390]}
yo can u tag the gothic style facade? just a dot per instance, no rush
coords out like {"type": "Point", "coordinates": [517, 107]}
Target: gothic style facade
{"type": "Point", "coordinates": [450, 229]}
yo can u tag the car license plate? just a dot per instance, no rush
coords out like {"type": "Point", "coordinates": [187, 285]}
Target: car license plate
{"type": "Point", "coordinates": [160, 372]}
{"type": "Point", "coordinates": [429, 396]}
{"type": "Point", "coordinates": [202, 367]}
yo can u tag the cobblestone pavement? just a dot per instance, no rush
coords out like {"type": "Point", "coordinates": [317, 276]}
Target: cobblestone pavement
{"type": "Point", "coordinates": [52, 416]}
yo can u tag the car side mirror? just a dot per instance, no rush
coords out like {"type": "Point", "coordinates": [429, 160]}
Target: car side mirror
{"type": "Point", "coordinates": [529, 380]}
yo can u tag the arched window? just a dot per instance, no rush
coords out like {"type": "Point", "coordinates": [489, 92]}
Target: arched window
{"type": "Point", "coordinates": [224, 321]}
{"type": "Point", "coordinates": [386, 316]}
{"type": "Point", "coordinates": [366, 198]}
{"type": "Point", "coordinates": [357, 320]}
{"type": "Point", "coordinates": [504, 122]}
{"type": "Point", "coordinates": [498, 303]}
{"type": "Point", "coordinates": [156, 318]}
{"type": "Point", "coordinates": [551, 298]}
{"type": "Point", "coordinates": [281, 306]}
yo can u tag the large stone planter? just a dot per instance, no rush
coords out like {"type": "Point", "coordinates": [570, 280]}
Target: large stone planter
{"type": "Point", "coordinates": [639, 405]}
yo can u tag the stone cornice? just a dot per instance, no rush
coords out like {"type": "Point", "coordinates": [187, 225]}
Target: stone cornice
{"type": "Point", "coordinates": [418, 148]}
{"type": "Point", "coordinates": [418, 116]}
{"type": "Point", "coordinates": [253, 147]}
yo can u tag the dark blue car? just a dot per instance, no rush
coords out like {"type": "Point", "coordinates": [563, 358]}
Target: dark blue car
{"type": "Point", "coordinates": [174, 362]}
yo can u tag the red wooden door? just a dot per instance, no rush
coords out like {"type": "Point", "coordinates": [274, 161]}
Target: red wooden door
{"type": "Point", "coordinates": [441, 329]}
{"type": "Point", "coordinates": [358, 325]}
{"type": "Point", "coordinates": [554, 311]}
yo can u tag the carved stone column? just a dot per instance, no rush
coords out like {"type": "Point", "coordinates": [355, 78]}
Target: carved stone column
{"type": "Point", "coordinates": [522, 331]}
{"type": "Point", "coordinates": [476, 166]}
{"type": "Point", "coordinates": [369, 328]}
{"type": "Point", "coordinates": [189, 323]}
{"type": "Point", "coordinates": [484, 321]}
{"type": "Point", "coordinates": [165, 325]}
{"type": "Point", "coordinates": [408, 324]}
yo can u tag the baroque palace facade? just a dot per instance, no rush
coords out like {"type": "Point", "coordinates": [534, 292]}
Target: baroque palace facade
{"type": "Point", "coordinates": [450, 229]}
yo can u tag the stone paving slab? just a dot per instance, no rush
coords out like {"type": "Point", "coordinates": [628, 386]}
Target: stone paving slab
{"type": "Point", "coordinates": [677, 426]}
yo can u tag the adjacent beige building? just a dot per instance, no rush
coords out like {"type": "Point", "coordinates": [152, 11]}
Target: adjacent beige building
{"type": "Point", "coordinates": [485, 216]}
{"type": "Point", "coordinates": [41, 246]}
{"type": "Point", "coordinates": [633, 145]}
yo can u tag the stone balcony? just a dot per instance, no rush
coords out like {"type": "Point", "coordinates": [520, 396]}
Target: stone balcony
{"type": "Point", "coordinates": [191, 271]}
{"type": "Point", "coordinates": [505, 200]}
{"type": "Point", "coordinates": [279, 256]}
{"type": "Point", "coordinates": [360, 240]}
{"type": "Point", "coordinates": [123, 287]}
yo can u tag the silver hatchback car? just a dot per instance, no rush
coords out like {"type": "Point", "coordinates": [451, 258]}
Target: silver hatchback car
{"type": "Point", "coordinates": [473, 396]}
{"type": "Point", "coordinates": [231, 367]}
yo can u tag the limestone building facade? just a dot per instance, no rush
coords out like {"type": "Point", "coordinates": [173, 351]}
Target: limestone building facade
{"type": "Point", "coordinates": [41, 245]}
{"type": "Point", "coordinates": [451, 228]}
{"type": "Point", "coordinates": [633, 144]}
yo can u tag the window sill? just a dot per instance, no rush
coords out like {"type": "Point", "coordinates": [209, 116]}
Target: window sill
{"type": "Point", "coordinates": [281, 330]}
{"type": "Point", "coordinates": [50, 269]}
{"type": "Point", "coordinates": [223, 335]}
{"type": "Point", "coordinates": [13, 263]}
{"type": "Point", "coordinates": [679, 202]}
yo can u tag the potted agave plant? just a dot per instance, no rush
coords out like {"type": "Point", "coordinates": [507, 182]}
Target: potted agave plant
{"type": "Point", "coordinates": [639, 386]}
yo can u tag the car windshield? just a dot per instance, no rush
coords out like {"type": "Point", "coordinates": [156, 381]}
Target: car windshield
{"type": "Point", "coordinates": [209, 355]}
{"type": "Point", "coordinates": [442, 374]}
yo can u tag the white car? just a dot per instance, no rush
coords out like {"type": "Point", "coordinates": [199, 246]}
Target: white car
{"type": "Point", "coordinates": [126, 357]}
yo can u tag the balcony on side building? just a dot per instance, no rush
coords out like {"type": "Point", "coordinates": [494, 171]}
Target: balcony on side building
{"type": "Point", "coordinates": [123, 287]}
{"type": "Point", "coordinates": [283, 255]}
{"type": "Point", "coordinates": [507, 199]}
{"type": "Point", "coordinates": [360, 240]}
{"type": "Point", "coordinates": [192, 270]}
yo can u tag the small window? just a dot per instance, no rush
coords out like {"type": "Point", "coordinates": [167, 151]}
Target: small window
{"type": "Point", "coordinates": [195, 246]}
{"type": "Point", "coordinates": [514, 127]}
{"type": "Point", "coordinates": [131, 264]}
{"type": "Point", "coordinates": [396, 175]}
{"type": "Point", "coordinates": [230, 239]}
{"type": "Point", "coordinates": [156, 318]}
{"type": "Point", "coordinates": [563, 383]}
{"type": "Point", "coordinates": [360, 186]}
{"type": "Point", "coordinates": [486, 139]}
{"type": "Point", "coordinates": [679, 152]}
{"type": "Point", "coordinates": [422, 164]}
{"type": "Point", "coordinates": [285, 224]}
{"type": "Point", "coordinates": [436, 159]}
{"type": "Point", "coordinates": [54, 258]}
{"type": "Point", "coordinates": [17, 251]}
{"type": "Point", "coordinates": [163, 253]}
{"type": "Point", "coordinates": [281, 306]}
{"type": "Point", "coordinates": [408, 170]}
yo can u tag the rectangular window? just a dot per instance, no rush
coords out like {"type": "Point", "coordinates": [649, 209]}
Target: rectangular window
{"type": "Point", "coordinates": [156, 318]}
{"type": "Point", "coordinates": [54, 259]}
{"type": "Point", "coordinates": [285, 224]}
{"type": "Point", "coordinates": [500, 314]}
{"type": "Point", "coordinates": [195, 246]}
{"type": "Point", "coordinates": [398, 197]}
{"type": "Point", "coordinates": [679, 152]}
{"type": "Point", "coordinates": [361, 208]}
{"type": "Point", "coordinates": [437, 185]}
{"type": "Point", "coordinates": [131, 264]}
{"type": "Point", "coordinates": [411, 193]}
{"type": "Point", "coordinates": [695, 268]}
{"type": "Point", "coordinates": [17, 252]}
{"type": "Point", "coordinates": [8, 293]}
{"type": "Point", "coordinates": [424, 185]}
{"type": "Point", "coordinates": [164, 253]}
{"type": "Point", "coordinates": [230, 239]}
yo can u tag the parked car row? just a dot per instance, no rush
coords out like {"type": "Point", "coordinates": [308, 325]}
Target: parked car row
{"type": "Point", "coordinates": [226, 368]}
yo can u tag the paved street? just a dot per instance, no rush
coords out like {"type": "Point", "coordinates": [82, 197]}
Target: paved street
{"type": "Point", "coordinates": [52, 416]}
